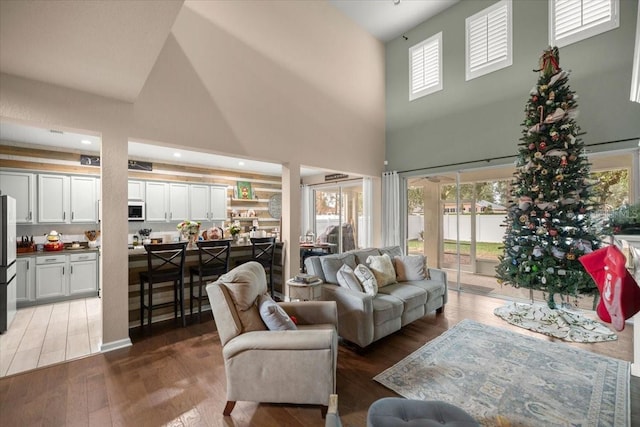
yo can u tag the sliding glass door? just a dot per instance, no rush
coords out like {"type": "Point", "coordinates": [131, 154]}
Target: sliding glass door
{"type": "Point", "coordinates": [340, 217]}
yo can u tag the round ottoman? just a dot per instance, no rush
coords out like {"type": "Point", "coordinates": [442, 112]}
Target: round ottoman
{"type": "Point", "coordinates": [397, 412]}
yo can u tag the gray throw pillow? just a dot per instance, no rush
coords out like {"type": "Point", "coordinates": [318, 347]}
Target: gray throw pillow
{"type": "Point", "coordinates": [347, 278]}
{"type": "Point", "coordinates": [273, 315]}
{"type": "Point", "coordinates": [411, 267]}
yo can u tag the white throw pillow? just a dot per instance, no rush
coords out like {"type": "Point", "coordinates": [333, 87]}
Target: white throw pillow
{"type": "Point", "coordinates": [382, 268]}
{"type": "Point", "coordinates": [411, 267]}
{"type": "Point", "coordinates": [348, 279]}
{"type": "Point", "coordinates": [273, 315]}
{"type": "Point", "coordinates": [366, 279]}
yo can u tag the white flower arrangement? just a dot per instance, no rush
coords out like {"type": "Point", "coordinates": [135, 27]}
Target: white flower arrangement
{"type": "Point", "coordinates": [189, 228]}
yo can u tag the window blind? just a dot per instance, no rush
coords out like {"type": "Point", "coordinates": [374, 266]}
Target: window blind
{"type": "Point", "coordinates": [575, 20]}
{"type": "Point", "coordinates": [425, 67]}
{"type": "Point", "coordinates": [489, 40]}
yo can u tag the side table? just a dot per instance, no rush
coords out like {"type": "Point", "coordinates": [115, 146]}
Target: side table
{"type": "Point", "coordinates": [303, 291]}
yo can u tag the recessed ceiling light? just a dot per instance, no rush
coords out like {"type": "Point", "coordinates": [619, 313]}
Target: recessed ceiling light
{"type": "Point", "coordinates": [86, 142]}
{"type": "Point", "coordinates": [177, 155]}
{"type": "Point", "coordinates": [240, 163]}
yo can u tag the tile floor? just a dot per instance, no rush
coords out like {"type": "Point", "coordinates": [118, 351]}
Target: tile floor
{"type": "Point", "coordinates": [52, 333]}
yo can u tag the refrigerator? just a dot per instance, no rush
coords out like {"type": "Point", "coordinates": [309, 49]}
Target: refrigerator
{"type": "Point", "coordinates": [8, 265]}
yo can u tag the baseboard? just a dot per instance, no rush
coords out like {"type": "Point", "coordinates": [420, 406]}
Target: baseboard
{"type": "Point", "coordinates": [115, 345]}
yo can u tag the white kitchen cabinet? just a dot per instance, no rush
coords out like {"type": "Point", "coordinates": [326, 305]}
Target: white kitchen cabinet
{"type": "Point", "coordinates": [156, 201]}
{"type": "Point", "coordinates": [218, 202]}
{"type": "Point", "coordinates": [166, 201]}
{"type": "Point", "coordinates": [207, 202]}
{"type": "Point", "coordinates": [84, 199]}
{"type": "Point", "coordinates": [178, 202]}
{"type": "Point", "coordinates": [25, 281]}
{"type": "Point", "coordinates": [51, 279]}
{"type": "Point", "coordinates": [199, 202]}
{"type": "Point", "coordinates": [83, 273]}
{"type": "Point", "coordinates": [67, 199]}
{"type": "Point", "coordinates": [20, 186]}
{"type": "Point", "coordinates": [53, 198]}
{"type": "Point", "coordinates": [136, 190]}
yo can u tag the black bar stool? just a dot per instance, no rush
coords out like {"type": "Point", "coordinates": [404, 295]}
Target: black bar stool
{"type": "Point", "coordinates": [213, 261]}
{"type": "Point", "coordinates": [263, 250]}
{"type": "Point", "coordinates": [165, 263]}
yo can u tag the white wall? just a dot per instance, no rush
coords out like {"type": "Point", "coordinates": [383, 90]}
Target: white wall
{"type": "Point", "coordinates": [275, 81]}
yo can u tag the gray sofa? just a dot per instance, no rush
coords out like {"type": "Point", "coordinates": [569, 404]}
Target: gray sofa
{"type": "Point", "coordinates": [365, 318]}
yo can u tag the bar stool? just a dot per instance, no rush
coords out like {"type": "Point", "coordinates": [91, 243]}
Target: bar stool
{"type": "Point", "coordinates": [263, 251]}
{"type": "Point", "coordinates": [213, 261]}
{"type": "Point", "coordinates": [165, 263]}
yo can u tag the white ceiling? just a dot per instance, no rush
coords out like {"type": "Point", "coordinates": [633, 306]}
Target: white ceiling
{"type": "Point", "coordinates": [29, 136]}
{"type": "Point", "coordinates": [108, 48]}
{"type": "Point", "coordinates": [388, 19]}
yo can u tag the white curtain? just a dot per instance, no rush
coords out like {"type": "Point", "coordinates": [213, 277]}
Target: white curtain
{"type": "Point", "coordinates": [306, 205]}
{"type": "Point", "coordinates": [367, 208]}
{"type": "Point", "coordinates": [390, 209]}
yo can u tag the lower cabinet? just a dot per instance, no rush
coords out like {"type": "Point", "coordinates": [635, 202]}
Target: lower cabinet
{"type": "Point", "coordinates": [83, 273]}
{"type": "Point", "coordinates": [49, 278]}
{"type": "Point", "coordinates": [26, 281]}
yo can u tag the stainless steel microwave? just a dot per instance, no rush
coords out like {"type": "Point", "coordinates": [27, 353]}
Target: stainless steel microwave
{"type": "Point", "coordinates": [136, 210]}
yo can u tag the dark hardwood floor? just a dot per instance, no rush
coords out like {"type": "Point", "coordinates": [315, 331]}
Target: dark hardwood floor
{"type": "Point", "coordinates": [176, 377]}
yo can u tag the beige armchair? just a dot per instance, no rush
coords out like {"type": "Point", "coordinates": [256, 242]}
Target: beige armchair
{"type": "Point", "coordinates": [276, 366]}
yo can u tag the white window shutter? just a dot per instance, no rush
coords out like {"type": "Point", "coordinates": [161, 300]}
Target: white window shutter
{"type": "Point", "coordinates": [488, 40]}
{"type": "Point", "coordinates": [574, 20]}
{"type": "Point", "coordinates": [425, 67]}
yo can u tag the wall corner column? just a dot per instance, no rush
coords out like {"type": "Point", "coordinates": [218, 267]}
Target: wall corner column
{"type": "Point", "coordinates": [114, 259]}
{"type": "Point", "coordinates": [291, 209]}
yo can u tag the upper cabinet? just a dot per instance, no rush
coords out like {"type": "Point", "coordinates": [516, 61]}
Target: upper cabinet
{"type": "Point", "coordinates": [64, 199]}
{"type": "Point", "coordinates": [178, 202]}
{"type": "Point", "coordinates": [136, 190]}
{"type": "Point", "coordinates": [84, 199]}
{"type": "Point", "coordinates": [20, 186]}
{"type": "Point", "coordinates": [53, 199]}
{"type": "Point", "coordinates": [207, 202]}
{"type": "Point", "coordinates": [156, 201]}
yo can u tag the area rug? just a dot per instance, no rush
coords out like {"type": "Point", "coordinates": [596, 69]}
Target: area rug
{"type": "Point", "coordinates": [496, 374]}
{"type": "Point", "coordinates": [560, 323]}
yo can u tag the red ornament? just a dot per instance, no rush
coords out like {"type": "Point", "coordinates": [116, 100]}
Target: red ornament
{"type": "Point", "coordinates": [532, 146]}
{"type": "Point", "coordinates": [534, 98]}
{"type": "Point", "coordinates": [553, 232]}
{"type": "Point", "coordinates": [543, 145]}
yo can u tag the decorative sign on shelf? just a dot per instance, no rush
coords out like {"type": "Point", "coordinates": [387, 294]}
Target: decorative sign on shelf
{"type": "Point", "coordinates": [335, 176]}
{"type": "Point", "coordinates": [243, 189]}
{"type": "Point", "coordinates": [89, 160]}
{"type": "Point", "coordinates": [275, 206]}
{"type": "Point", "coordinates": [140, 166]}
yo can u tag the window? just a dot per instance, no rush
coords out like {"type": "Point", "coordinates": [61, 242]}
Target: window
{"type": "Point", "coordinates": [425, 67]}
{"type": "Point", "coordinates": [573, 20]}
{"type": "Point", "coordinates": [488, 40]}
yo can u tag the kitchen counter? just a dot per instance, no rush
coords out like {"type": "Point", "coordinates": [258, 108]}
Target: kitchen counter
{"type": "Point", "coordinates": [62, 252]}
{"type": "Point", "coordinates": [164, 292]}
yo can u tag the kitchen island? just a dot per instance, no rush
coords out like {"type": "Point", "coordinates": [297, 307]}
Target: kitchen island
{"type": "Point", "coordinates": [163, 292]}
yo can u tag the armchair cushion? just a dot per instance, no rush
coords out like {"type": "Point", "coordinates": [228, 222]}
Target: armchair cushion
{"type": "Point", "coordinates": [382, 267]}
{"type": "Point", "coordinates": [411, 267]}
{"type": "Point", "coordinates": [273, 315]}
{"type": "Point", "coordinates": [244, 285]}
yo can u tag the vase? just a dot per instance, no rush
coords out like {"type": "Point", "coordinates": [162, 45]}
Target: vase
{"type": "Point", "coordinates": [192, 241]}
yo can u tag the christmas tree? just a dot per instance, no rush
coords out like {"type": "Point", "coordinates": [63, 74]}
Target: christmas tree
{"type": "Point", "coordinates": [549, 223]}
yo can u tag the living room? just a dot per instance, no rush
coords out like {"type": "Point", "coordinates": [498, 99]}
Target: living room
{"type": "Point", "coordinates": [323, 107]}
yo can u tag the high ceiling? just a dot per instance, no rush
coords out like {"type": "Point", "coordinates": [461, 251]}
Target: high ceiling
{"type": "Point", "coordinates": [108, 48]}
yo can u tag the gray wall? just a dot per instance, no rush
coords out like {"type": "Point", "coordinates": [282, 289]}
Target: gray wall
{"type": "Point", "coordinates": [481, 118]}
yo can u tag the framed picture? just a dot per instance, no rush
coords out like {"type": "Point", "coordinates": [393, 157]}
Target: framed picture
{"type": "Point", "coordinates": [244, 190]}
